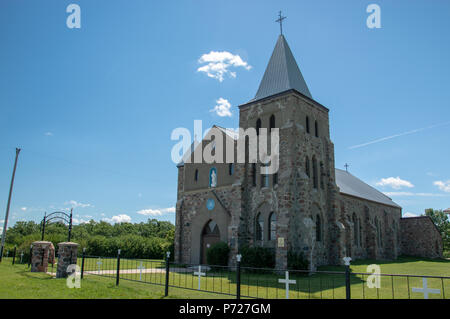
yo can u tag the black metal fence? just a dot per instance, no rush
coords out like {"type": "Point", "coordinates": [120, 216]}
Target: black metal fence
{"type": "Point", "coordinates": [247, 282]}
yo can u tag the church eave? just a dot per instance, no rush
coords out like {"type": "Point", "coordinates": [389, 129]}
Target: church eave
{"type": "Point", "coordinates": [251, 102]}
{"type": "Point", "coordinates": [370, 200]}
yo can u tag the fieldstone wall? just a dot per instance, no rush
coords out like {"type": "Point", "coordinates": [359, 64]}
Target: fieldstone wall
{"type": "Point", "coordinates": [359, 217]}
{"type": "Point", "coordinates": [41, 253]}
{"type": "Point", "coordinates": [193, 215]}
{"type": "Point", "coordinates": [67, 255]}
{"type": "Point", "coordinates": [420, 237]}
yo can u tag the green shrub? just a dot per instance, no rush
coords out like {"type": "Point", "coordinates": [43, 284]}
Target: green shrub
{"type": "Point", "coordinates": [217, 254]}
{"type": "Point", "coordinates": [260, 257]}
{"type": "Point", "coordinates": [297, 261]}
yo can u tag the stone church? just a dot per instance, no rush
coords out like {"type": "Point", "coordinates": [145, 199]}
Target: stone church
{"type": "Point", "coordinates": [308, 206]}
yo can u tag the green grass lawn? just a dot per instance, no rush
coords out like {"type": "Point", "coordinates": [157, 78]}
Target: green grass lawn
{"type": "Point", "coordinates": [18, 282]}
{"type": "Point", "coordinates": [91, 264]}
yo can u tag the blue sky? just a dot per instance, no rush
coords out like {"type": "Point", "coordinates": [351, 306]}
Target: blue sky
{"type": "Point", "coordinates": [93, 108]}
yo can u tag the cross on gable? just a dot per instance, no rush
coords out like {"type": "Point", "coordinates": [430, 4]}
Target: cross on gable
{"type": "Point", "coordinates": [199, 273]}
{"type": "Point", "coordinates": [425, 290]}
{"type": "Point", "coordinates": [286, 281]}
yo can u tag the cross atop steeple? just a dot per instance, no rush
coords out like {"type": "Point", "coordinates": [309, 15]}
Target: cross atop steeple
{"type": "Point", "coordinates": [280, 20]}
{"type": "Point", "coordinates": [346, 167]}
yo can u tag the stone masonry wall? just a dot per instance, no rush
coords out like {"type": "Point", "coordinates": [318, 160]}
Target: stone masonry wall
{"type": "Point", "coordinates": [420, 237]}
{"type": "Point", "coordinates": [363, 242]}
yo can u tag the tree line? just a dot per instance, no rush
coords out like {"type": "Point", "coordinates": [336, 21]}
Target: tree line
{"type": "Point", "coordinates": [442, 222]}
{"type": "Point", "coordinates": [136, 240]}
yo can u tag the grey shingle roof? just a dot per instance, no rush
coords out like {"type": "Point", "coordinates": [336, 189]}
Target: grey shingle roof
{"type": "Point", "coordinates": [282, 73]}
{"type": "Point", "coordinates": [350, 185]}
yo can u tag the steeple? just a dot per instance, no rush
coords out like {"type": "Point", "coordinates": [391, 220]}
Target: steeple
{"type": "Point", "coordinates": [282, 73]}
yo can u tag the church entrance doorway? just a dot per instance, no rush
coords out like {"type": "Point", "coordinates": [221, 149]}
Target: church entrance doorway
{"type": "Point", "coordinates": [210, 236]}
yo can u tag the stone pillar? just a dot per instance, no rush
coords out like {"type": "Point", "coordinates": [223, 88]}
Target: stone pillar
{"type": "Point", "coordinates": [40, 254]}
{"type": "Point", "coordinates": [67, 255]}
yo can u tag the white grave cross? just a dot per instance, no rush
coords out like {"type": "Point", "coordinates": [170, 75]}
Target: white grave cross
{"type": "Point", "coordinates": [199, 273]}
{"type": "Point", "coordinates": [425, 290]}
{"type": "Point", "coordinates": [286, 281]}
{"type": "Point", "coordinates": [141, 267]}
{"type": "Point", "coordinates": [99, 263]}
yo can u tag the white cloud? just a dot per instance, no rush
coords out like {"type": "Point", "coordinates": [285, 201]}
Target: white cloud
{"type": "Point", "coordinates": [76, 204]}
{"type": "Point", "coordinates": [48, 134]}
{"type": "Point", "coordinates": [443, 186]}
{"type": "Point", "coordinates": [218, 64]}
{"type": "Point", "coordinates": [80, 221]}
{"type": "Point", "coordinates": [408, 214]}
{"type": "Point", "coordinates": [222, 107]}
{"type": "Point", "coordinates": [122, 218]}
{"type": "Point", "coordinates": [403, 194]}
{"type": "Point", "coordinates": [394, 182]}
{"type": "Point", "coordinates": [23, 209]}
{"type": "Point", "coordinates": [156, 212]}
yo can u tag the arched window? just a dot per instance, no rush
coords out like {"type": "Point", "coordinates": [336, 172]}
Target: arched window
{"type": "Point", "coordinates": [271, 123]}
{"type": "Point", "coordinates": [360, 232]}
{"type": "Point", "coordinates": [355, 230]}
{"type": "Point", "coordinates": [381, 233]}
{"type": "Point", "coordinates": [315, 179]}
{"type": "Point", "coordinates": [265, 177]}
{"type": "Point", "coordinates": [272, 226]}
{"type": "Point", "coordinates": [307, 170]}
{"type": "Point", "coordinates": [307, 124]}
{"type": "Point", "coordinates": [378, 231]}
{"type": "Point", "coordinates": [258, 126]}
{"type": "Point", "coordinates": [231, 169]}
{"type": "Point", "coordinates": [316, 128]}
{"type": "Point", "coordinates": [322, 185]}
{"type": "Point", "coordinates": [259, 226]}
{"type": "Point", "coordinates": [318, 228]}
{"type": "Point", "coordinates": [254, 174]}
{"type": "Point", "coordinates": [196, 175]}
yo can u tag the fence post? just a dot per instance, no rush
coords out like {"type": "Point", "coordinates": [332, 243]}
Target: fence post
{"type": "Point", "coordinates": [82, 262]}
{"type": "Point", "coordinates": [347, 277]}
{"type": "Point", "coordinates": [166, 291]}
{"type": "Point", "coordinates": [14, 255]}
{"type": "Point", "coordinates": [118, 268]}
{"type": "Point", "coordinates": [238, 276]}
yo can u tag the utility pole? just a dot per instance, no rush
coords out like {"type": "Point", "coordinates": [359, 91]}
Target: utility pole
{"type": "Point", "coordinates": [5, 224]}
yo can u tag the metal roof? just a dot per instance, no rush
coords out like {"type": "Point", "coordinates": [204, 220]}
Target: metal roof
{"type": "Point", "coordinates": [350, 185]}
{"type": "Point", "coordinates": [282, 73]}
